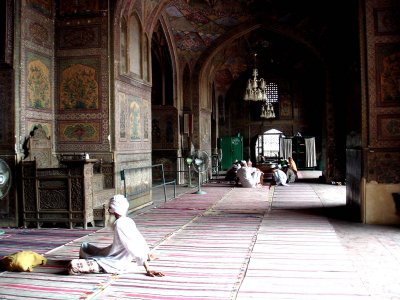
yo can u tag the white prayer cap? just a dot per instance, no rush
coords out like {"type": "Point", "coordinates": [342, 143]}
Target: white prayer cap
{"type": "Point", "coordinates": [119, 205]}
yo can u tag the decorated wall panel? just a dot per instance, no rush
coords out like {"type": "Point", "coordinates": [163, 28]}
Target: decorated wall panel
{"type": "Point", "coordinates": [285, 106]}
{"type": "Point", "coordinates": [38, 82]}
{"type": "Point", "coordinates": [36, 94]}
{"type": "Point", "coordinates": [383, 46]}
{"type": "Point", "coordinates": [135, 119]}
{"type": "Point", "coordinates": [82, 86]}
{"type": "Point", "coordinates": [205, 130]}
{"type": "Point", "coordinates": [44, 7]}
{"type": "Point", "coordinates": [69, 8]}
{"type": "Point", "coordinates": [73, 37]}
{"type": "Point", "coordinates": [387, 74]}
{"type": "Point", "coordinates": [386, 20]}
{"type": "Point", "coordinates": [384, 166]}
{"type": "Point", "coordinates": [82, 107]}
{"type": "Point", "coordinates": [80, 131]}
{"type": "Point", "coordinates": [79, 81]}
{"type": "Point", "coordinates": [39, 31]}
{"type": "Point", "coordinates": [132, 117]}
{"type": "Point", "coordinates": [122, 116]}
{"type": "Point", "coordinates": [138, 184]}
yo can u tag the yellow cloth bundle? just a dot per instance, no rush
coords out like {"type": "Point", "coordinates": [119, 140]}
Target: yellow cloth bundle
{"type": "Point", "coordinates": [22, 261]}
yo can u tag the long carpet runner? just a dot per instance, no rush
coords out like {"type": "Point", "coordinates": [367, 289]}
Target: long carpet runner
{"type": "Point", "coordinates": [204, 244]}
{"type": "Point", "coordinates": [207, 257]}
{"type": "Point", "coordinates": [37, 240]}
{"type": "Point", "coordinates": [298, 254]}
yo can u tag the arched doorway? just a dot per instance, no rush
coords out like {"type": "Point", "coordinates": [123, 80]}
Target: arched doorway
{"type": "Point", "coordinates": [267, 146]}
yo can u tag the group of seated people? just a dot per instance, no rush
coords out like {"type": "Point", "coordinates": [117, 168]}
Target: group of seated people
{"type": "Point", "coordinates": [286, 174]}
{"type": "Point", "coordinates": [248, 176]}
{"type": "Point", "coordinates": [244, 174]}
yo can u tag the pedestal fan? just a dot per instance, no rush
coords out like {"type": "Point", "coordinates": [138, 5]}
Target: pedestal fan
{"type": "Point", "coordinates": [201, 164]}
{"type": "Point", "coordinates": [5, 178]}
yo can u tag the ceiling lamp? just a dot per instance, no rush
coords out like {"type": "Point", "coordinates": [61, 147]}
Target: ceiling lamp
{"type": "Point", "coordinates": [267, 111]}
{"type": "Point", "coordinates": [257, 90]}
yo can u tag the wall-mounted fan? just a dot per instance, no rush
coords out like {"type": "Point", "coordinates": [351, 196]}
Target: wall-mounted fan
{"type": "Point", "coordinates": [5, 178]}
{"type": "Point", "coordinates": [201, 164]}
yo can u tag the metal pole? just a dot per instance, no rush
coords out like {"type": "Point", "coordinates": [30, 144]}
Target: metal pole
{"type": "Point", "coordinates": [163, 177]}
{"type": "Point", "coordinates": [190, 178]}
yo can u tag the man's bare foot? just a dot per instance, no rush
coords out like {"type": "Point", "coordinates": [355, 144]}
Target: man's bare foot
{"type": "Point", "coordinates": [152, 257]}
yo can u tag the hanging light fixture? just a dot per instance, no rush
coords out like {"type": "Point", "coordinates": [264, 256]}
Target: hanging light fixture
{"type": "Point", "coordinates": [267, 111]}
{"type": "Point", "coordinates": [257, 90]}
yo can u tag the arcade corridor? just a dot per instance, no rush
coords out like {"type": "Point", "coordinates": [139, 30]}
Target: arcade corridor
{"type": "Point", "coordinates": [232, 243]}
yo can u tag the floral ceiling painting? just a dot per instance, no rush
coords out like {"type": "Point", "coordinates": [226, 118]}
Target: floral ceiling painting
{"type": "Point", "coordinates": [197, 25]}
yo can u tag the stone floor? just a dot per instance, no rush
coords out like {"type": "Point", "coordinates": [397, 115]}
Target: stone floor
{"type": "Point", "coordinates": [373, 249]}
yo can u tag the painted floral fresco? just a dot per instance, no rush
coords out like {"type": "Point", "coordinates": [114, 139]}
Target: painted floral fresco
{"type": "Point", "coordinates": [79, 88]}
{"type": "Point", "coordinates": [134, 119]}
{"type": "Point", "coordinates": [87, 132]}
{"type": "Point", "coordinates": [145, 120]}
{"type": "Point", "coordinates": [122, 115]}
{"type": "Point", "coordinates": [38, 85]}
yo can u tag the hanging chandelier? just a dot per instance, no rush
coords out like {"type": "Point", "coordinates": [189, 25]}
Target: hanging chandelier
{"type": "Point", "coordinates": [257, 90]}
{"type": "Point", "coordinates": [267, 111]}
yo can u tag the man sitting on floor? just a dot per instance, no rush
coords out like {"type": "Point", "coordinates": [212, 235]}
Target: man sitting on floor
{"type": "Point", "coordinates": [249, 177]}
{"type": "Point", "coordinates": [291, 172]}
{"type": "Point", "coordinates": [231, 174]}
{"type": "Point", "coordinates": [128, 244]}
{"type": "Point", "coordinates": [280, 177]}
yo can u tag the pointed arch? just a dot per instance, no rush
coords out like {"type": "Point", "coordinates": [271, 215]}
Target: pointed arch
{"type": "Point", "coordinates": [268, 144]}
{"type": "Point", "coordinates": [162, 70]}
{"type": "Point", "coordinates": [134, 44]}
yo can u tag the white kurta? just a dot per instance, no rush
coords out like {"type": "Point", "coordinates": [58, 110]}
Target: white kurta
{"type": "Point", "coordinates": [128, 245]}
{"type": "Point", "coordinates": [280, 177]}
{"type": "Point", "coordinates": [248, 176]}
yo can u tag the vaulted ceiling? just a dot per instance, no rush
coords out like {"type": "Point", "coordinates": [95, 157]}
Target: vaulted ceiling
{"type": "Point", "coordinates": [286, 34]}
